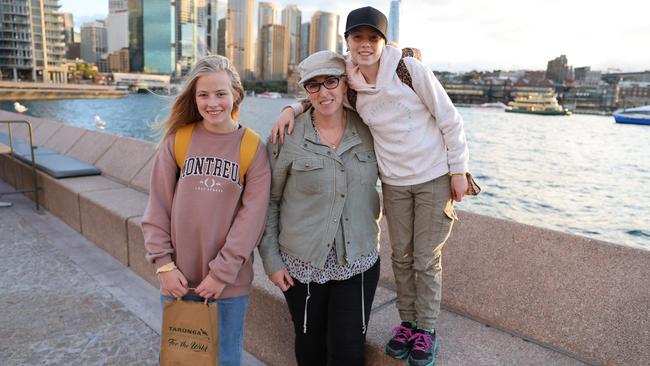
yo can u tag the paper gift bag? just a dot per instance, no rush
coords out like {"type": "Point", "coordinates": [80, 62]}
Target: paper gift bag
{"type": "Point", "coordinates": [189, 334]}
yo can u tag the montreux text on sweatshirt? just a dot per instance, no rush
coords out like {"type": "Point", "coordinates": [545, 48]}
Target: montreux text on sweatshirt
{"type": "Point", "coordinates": [212, 167]}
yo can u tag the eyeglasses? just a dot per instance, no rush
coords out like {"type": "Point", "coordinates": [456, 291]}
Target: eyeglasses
{"type": "Point", "coordinates": [330, 83]}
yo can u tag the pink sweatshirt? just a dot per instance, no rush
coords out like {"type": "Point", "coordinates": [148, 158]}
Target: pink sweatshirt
{"type": "Point", "coordinates": [206, 221]}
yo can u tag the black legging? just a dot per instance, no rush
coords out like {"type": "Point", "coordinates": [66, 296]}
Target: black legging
{"type": "Point", "coordinates": [334, 319]}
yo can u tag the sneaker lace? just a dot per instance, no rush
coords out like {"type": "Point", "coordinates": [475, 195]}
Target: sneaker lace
{"type": "Point", "coordinates": [402, 334]}
{"type": "Point", "coordinates": [422, 342]}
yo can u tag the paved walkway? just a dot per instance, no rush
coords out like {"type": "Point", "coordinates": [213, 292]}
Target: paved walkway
{"type": "Point", "coordinates": [66, 302]}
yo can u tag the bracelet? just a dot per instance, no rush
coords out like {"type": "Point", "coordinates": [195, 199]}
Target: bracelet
{"type": "Point", "coordinates": [166, 268]}
{"type": "Point", "coordinates": [452, 174]}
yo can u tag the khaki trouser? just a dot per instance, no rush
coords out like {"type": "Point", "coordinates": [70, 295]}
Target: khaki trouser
{"type": "Point", "coordinates": [420, 218]}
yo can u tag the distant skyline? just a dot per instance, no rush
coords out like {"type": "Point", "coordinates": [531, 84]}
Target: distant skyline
{"type": "Point", "coordinates": [501, 34]}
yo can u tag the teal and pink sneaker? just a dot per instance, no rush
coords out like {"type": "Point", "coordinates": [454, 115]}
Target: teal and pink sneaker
{"type": "Point", "coordinates": [400, 345]}
{"type": "Point", "coordinates": [423, 349]}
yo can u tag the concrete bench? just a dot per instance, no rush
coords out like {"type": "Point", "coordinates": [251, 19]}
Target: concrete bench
{"type": "Point", "coordinates": [51, 161]}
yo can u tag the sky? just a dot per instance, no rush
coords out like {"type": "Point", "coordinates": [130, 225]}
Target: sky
{"type": "Point", "coordinates": [463, 35]}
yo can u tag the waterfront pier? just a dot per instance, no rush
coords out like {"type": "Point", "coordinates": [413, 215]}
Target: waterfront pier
{"type": "Point", "coordinates": [514, 294]}
{"type": "Point", "coordinates": [20, 91]}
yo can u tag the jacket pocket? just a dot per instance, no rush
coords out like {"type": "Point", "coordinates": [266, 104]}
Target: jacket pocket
{"type": "Point", "coordinates": [308, 174]}
{"type": "Point", "coordinates": [367, 171]}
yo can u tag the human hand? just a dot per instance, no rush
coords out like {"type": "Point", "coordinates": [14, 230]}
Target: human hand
{"type": "Point", "coordinates": [282, 279]}
{"type": "Point", "coordinates": [173, 283]}
{"type": "Point", "coordinates": [458, 187]}
{"type": "Point", "coordinates": [210, 288]}
{"type": "Point", "coordinates": [285, 120]}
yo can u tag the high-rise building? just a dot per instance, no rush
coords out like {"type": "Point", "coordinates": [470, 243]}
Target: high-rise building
{"type": "Point", "coordinates": [68, 33]}
{"type": "Point", "coordinates": [304, 40]}
{"type": "Point", "coordinates": [117, 25]}
{"type": "Point", "coordinates": [191, 32]}
{"type": "Point", "coordinates": [240, 48]}
{"type": "Point", "coordinates": [323, 32]}
{"type": "Point", "coordinates": [118, 61]}
{"type": "Point", "coordinates": [291, 19]}
{"type": "Point", "coordinates": [32, 41]}
{"type": "Point", "coordinates": [151, 36]}
{"type": "Point", "coordinates": [273, 53]}
{"type": "Point", "coordinates": [559, 69]}
{"type": "Point", "coordinates": [136, 38]}
{"type": "Point", "coordinates": [266, 14]}
{"type": "Point", "coordinates": [217, 11]}
{"type": "Point", "coordinates": [93, 42]}
{"type": "Point", "coordinates": [393, 21]}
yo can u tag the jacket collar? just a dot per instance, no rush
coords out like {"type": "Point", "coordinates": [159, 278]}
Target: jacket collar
{"type": "Point", "coordinates": [350, 136]}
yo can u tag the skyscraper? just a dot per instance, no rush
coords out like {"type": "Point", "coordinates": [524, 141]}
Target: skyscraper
{"type": "Point", "coordinates": [117, 25]}
{"type": "Point", "coordinates": [291, 18]}
{"type": "Point", "coordinates": [240, 31]}
{"type": "Point", "coordinates": [266, 14]}
{"type": "Point", "coordinates": [273, 52]}
{"type": "Point", "coordinates": [217, 11]}
{"type": "Point", "coordinates": [323, 32]}
{"type": "Point", "coordinates": [68, 34]}
{"type": "Point", "coordinates": [393, 21]}
{"type": "Point", "coordinates": [191, 32]}
{"type": "Point", "coordinates": [151, 36]}
{"type": "Point", "coordinates": [93, 42]}
{"type": "Point", "coordinates": [304, 40]}
{"type": "Point", "coordinates": [33, 41]}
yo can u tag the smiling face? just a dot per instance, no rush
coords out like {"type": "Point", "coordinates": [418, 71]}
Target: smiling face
{"type": "Point", "coordinates": [327, 101]}
{"type": "Point", "coordinates": [214, 100]}
{"type": "Point", "coordinates": [365, 45]}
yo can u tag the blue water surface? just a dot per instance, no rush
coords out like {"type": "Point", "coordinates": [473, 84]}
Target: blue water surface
{"type": "Point", "coordinates": [580, 174]}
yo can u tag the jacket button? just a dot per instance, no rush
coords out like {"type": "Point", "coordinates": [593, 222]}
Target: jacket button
{"type": "Point", "coordinates": [342, 195]}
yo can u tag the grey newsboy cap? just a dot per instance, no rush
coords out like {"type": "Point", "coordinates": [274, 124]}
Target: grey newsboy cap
{"type": "Point", "coordinates": [321, 63]}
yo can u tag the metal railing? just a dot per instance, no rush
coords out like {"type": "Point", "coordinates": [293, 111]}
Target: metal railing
{"type": "Point", "coordinates": [12, 152]}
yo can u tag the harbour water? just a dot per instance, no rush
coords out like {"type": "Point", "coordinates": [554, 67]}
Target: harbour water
{"type": "Point", "coordinates": [581, 174]}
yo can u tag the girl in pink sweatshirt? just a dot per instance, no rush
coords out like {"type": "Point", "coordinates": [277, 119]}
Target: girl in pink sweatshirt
{"type": "Point", "coordinates": [202, 221]}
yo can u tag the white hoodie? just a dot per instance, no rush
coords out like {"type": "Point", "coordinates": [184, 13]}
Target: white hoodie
{"type": "Point", "coordinates": [418, 137]}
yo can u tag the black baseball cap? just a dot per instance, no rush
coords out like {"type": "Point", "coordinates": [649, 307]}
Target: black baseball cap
{"type": "Point", "coordinates": [367, 16]}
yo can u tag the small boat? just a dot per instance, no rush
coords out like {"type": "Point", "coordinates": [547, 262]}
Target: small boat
{"type": "Point", "coordinates": [270, 95]}
{"type": "Point", "coordinates": [498, 105]}
{"type": "Point", "coordinates": [637, 116]}
{"type": "Point", "coordinates": [537, 103]}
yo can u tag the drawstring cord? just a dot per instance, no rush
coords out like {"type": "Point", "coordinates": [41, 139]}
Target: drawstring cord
{"type": "Point", "coordinates": [304, 322]}
{"type": "Point", "coordinates": [363, 307]}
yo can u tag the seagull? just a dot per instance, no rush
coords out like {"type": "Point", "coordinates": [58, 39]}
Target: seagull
{"type": "Point", "coordinates": [20, 108]}
{"type": "Point", "coordinates": [99, 123]}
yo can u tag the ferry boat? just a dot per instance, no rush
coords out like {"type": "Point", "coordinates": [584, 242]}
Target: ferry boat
{"type": "Point", "coordinates": [537, 103]}
{"type": "Point", "coordinates": [638, 116]}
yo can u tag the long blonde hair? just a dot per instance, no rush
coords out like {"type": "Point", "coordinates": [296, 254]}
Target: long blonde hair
{"type": "Point", "coordinates": [184, 110]}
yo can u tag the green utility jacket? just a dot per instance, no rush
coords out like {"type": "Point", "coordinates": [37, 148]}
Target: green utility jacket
{"type": "Point", "coordinates": [317, 196]}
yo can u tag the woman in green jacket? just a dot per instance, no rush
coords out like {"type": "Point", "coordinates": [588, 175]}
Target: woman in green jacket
{"type": "Point", "coordinates": [320, 246]}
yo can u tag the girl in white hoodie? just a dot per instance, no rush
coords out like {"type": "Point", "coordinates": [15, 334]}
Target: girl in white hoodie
{"type": "Point", "coordinates": [422, 156]}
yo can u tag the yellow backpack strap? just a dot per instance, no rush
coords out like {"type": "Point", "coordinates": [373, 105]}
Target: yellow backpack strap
{"type": "Point", "coordinates": [247, 151]}
{"type": "Point", "coordinates": [182, 143]}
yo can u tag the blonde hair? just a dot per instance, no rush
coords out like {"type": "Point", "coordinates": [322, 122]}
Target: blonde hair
{"type": "Point", "coordinates": [184, 110]}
